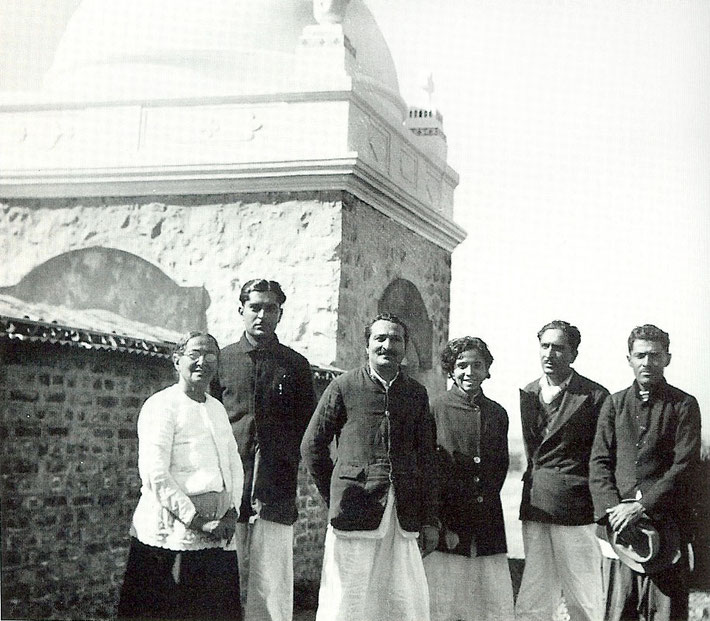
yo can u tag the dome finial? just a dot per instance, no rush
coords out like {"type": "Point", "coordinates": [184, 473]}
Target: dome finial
{"type": "Point", "coordinates": [329, 11]}
{"type": "Point", "coordinates": [427, 85]}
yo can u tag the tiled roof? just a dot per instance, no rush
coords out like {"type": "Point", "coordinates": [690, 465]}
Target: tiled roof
{"type": "Point", "coordinates": [95, 329]}
{"type": "Point", "coordinates": [88, 329]}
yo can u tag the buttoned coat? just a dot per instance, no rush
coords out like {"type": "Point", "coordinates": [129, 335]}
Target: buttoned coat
{"type": "Point", "coordinates": [472, 451]}
{"type": "Point", "coordinates": [269, 397]}
{"type": "Point", "coordinates": [651, 448]}
{"type": "Point", "coordinates": [556, 481]}
{"type": "Point", "coordinates": [383, 437]}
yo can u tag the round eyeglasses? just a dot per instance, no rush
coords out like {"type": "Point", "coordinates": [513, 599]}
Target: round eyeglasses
{"type": "Point", "coordinates": [196, 355]}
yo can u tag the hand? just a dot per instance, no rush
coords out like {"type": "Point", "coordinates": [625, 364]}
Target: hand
{"type": "Point", "coordinates": [430, 539]}
{"type": "Point", "coordinates": [226, 526]}
{"type": "Point", "coordinates": [451, 538]}
{"type": "Point", "coordinates": [624, 514]}
{"type": "Point", "coordinates": [202, 524]}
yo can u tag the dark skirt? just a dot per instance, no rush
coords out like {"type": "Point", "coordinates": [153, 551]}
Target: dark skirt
{"type": "Point", "coordinates": [167, 584]}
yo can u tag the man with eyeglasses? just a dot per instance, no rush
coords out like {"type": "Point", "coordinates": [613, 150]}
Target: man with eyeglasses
{"type": "Point", "coordinates": [381, 488]}
{"type": "Point", "coordinates": [267, 390]}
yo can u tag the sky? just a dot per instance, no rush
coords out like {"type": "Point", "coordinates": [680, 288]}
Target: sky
{"type": "Point", "coordinates": [581, 134]}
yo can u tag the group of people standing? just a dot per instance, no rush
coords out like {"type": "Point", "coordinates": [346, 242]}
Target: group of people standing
{"type": "Point", "coordinates": [415, 521]}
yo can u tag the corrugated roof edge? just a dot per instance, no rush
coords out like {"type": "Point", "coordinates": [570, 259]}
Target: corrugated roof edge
{"type": "Point", "coordinates": [12, 328]}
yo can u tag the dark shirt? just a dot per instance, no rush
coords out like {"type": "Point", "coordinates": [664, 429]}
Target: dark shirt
{"type": "Point", "coordinates": [651, 447]}
{"type": "Point", "coordinates": [472, 450]}
{"type": "Point", "coordinates": [269, 397]}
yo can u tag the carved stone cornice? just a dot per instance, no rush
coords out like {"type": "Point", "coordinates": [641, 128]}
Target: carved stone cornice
{"type": "Point", "coordinates": [280, 142]}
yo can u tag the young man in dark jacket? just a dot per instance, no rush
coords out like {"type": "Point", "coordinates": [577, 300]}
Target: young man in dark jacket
{"type": "Point", "coordinates": [269, 397]}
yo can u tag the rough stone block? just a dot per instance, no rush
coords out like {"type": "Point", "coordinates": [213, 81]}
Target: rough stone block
{"type": "Point", "coordinates": [18, 394]}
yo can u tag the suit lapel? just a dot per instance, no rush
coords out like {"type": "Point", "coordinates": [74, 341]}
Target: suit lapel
{"type": "Point", "coordinates": [572, 401]}
{"type": "Point", "coordinates": [533, 419]}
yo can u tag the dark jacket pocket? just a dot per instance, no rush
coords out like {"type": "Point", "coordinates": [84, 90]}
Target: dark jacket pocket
{"type": "Point", "coordinates": [560, 495]}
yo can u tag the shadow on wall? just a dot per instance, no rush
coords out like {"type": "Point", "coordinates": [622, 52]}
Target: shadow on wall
{"type": "Point", "coordinates": [404, 300]}
{"type": "Point", "coordinates": [117, 281]}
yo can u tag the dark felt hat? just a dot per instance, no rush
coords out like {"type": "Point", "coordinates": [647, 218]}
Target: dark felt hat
{"type": "Point", "coordinates": [647, 546]}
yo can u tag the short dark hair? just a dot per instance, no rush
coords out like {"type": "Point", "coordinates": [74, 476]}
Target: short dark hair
{"type": "Point", "coordinates": [649, 332]}
{"type": "Point", "coordinates": [263, 285]}
{"type": "Point", "coordinates": [391, 317]}
{"type": "Point", "coordinates": [182, 343]}
{"type": "Point", "coordinates": [455, 347]}
{"type": "Point", "coordinates": [572, 334]}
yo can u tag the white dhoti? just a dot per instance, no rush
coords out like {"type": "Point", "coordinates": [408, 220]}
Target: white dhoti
{"type": "Point", "coordinates": [475, 588]}
{"type": "Point", "coordinates": [265, 555]}
{"type": "Point", "coordinates": [560, 560]}
{"type": "Point", "coordinates": [373, 575]}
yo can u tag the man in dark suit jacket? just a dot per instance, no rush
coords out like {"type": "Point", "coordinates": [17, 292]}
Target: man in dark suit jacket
{"type": "Point", "coordinates": [646, 445]}
{"type": "Point", "coordinates": [559, 414]}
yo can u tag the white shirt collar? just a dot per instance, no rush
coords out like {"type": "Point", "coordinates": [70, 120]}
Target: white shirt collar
{"type": "Point", "coordinates": [549, 391]}
{"type": "Point", "coordinates": [383, 381]}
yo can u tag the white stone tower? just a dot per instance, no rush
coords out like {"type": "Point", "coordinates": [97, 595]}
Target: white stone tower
{"type": "Point", "coordinates": [180, 148]}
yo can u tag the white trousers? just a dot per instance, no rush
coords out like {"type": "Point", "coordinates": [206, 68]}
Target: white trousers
{"type": "Point", "coordinates": [462, 588]}
{"type": "Point", "coordinates": [265, 555]}
{"type": "Point", "coordinates": [560, 560]}
{"type": "Point", "coordinates": [373, 579]}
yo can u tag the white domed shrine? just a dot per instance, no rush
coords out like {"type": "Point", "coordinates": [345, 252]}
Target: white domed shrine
{"type": "Point", "coordinates": [138, 49]}
{"type": "Point", "coordinates": [218, 140]}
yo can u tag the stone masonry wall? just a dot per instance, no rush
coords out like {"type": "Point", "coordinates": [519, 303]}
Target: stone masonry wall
{"type": "Point", "coordinates": [309, 532]}
{"type": "Point", "coordinates": [69, 475]}
{"type": "Point", "coordinates": [70, 480]}
{"type": "Point", "coordinates": [376, 251]}
{"type": "Point", "coordinates": [217, 242]}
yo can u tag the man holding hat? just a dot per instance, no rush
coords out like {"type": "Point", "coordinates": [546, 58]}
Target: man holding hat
{"type": "Point", "coordinates": [645, 449]}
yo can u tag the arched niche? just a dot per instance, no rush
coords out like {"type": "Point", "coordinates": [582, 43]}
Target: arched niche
{"type": "Point", "coordinates": [116, 281]}
{"type": "Point", "coordinates": [402, 298]}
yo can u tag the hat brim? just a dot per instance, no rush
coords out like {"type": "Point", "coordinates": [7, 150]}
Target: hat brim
{"type": "Point", "coordinates": [657, 545]}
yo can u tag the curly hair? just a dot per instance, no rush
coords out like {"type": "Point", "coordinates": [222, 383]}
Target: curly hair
{"type": "Point", "coordinates": [572, 334]}
{"type": "Point", "coordinates": [455, 347]}
{"type": "Point", "coordinates": [649, 332]}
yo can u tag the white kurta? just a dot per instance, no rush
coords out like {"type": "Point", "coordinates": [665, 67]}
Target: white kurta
{"type": "Point", "coordinates": [185, 449]}
{"type": "Point", "coordinates": [373, 575]}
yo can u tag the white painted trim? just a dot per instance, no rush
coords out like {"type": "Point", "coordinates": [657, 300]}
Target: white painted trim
{"type": "Point", "coordinates": [347, 173]}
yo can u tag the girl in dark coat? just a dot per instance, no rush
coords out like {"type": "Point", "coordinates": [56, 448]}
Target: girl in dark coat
{"type": "Point", "coordinates": [468, 575]}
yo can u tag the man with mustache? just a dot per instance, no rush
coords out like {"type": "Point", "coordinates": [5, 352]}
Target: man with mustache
{"type": "Point", "coordinates": [644, 453]}
{"type": "Point", "coordinates": [269, 397]}
{"type": "Point", "coordinates": [380, 487]}
{"type": "Point", "coordinates": [559, 413]}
